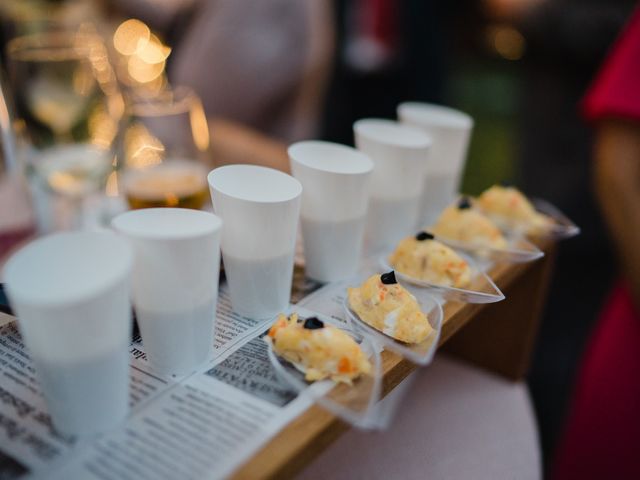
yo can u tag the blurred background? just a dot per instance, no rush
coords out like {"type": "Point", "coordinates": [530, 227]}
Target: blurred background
{"type": "Point", "coordinates": [271, 72]}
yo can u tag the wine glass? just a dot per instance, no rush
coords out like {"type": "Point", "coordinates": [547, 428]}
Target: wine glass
{"type": "Point", "coordinates": [16, 218]}
{"type": "Point", "coordinates": [70, 107]}
{"type": "Point", "coordinates": [165, 150]}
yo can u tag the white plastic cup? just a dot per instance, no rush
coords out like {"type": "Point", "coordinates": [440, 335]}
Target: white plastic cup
{"type": "Point", "coordinates": [450, 131]}
{"type": "Point", "coordinates": [260, 207]}
{"type": "Point", "coordinates": [175, 283]}
{"type": "Point", "coordinates": [400, 154]}
{"type": "Point", "coordinates": [70, 292]}
{"type": "Point", "coordinates": [334, 206]}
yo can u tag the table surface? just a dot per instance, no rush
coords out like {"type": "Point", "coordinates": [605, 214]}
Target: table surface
{"type": "Point", "coordinates": [498, 337]}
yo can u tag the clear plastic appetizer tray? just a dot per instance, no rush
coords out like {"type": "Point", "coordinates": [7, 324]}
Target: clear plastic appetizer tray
{"type": "Point", "coordinates": [356, 403]}
{"type": "Point", "coordinates": [481, 290]}
{"type": "Point", "coordinates": [420, 353]}
{"type": "Point", "coordinates": [562, 226]}
{"type": "Point", "coordinates": [519, 250]}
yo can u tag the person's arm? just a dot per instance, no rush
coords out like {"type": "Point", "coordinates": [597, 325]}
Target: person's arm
{"type": "Point", "coordinates": [617, 184]}
{"type": "Point", "coordinates": [232, 142]}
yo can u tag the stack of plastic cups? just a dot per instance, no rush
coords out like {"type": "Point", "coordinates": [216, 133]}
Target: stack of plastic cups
{"type": "Point", "coordinates": [259, 207]}
{"type": "Point", "coordinates": [175, 283]}
{"type": "Point", "coordinates": [334, 205]}
{"type": "Point", "coordinates": [400, 154]}
{"type": "Point", "coordinates": [450, 131]}
{"type": "Point", "coordinates": [70, 292]}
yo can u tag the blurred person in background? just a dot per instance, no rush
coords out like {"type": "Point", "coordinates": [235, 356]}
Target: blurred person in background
{"type": "Point", "coordinates": [260, 68]}
{"type": "Point", "coordinates": [565, 40]}
{"type": "Point", "coordinates": [603, 428]}
{"type": "Point", "coordinates": [261, 64]}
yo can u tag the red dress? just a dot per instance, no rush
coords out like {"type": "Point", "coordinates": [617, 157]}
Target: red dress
{"type": "Point", "coordinates": [602, 436]}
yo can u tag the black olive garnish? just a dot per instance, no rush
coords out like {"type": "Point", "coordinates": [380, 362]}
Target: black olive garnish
{"type": "Point", "coordinates": [422, 236]}
{"type": "Point", "coordinates": [388, 278]}
{"type": "Point", "coordinates": [313, 323]}
{"type": "Point", "coordinates": [464, 203]}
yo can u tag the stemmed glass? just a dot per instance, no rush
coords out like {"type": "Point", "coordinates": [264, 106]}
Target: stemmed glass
{"type": "Point", "coordinates": [69, 108]}
{"type": "Point", "coordinates": [165, 149]}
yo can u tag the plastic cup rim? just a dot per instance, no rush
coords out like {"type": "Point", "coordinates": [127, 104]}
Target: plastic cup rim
{"type": "Point", "coordinates": [207, 224]}
{"type": "Point", "coordinates": [371, 129]}
{"type": "Point", "coordinates": [431, 114]}
{"type": "Point", "coordinates": [295, 187]}
{"type": "Point", "coordinates": [121, 268]}
{"type": "Point", "coordinates": [350, 155]}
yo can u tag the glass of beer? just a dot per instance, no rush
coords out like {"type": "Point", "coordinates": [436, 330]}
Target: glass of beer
{"type": "Point", "coordinates": [165, 147]}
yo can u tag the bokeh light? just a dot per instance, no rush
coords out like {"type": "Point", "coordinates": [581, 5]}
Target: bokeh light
{"type": "Point", "coordinates": [143, 54]}
{"type": "Point", "coordinates": [142, 148]}
{"type": "Point", "coordinates": [199, 126]}
{"type": "Point", "coordinates": [506, 41]}
{"type": "Point", "coordinates": [131, 36]}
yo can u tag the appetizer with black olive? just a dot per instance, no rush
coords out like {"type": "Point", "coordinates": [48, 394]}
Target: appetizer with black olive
{"type": "Point", "coordinates": [319, 350]}
{"type": "Point", "coordinates": [425, 258]}
{"type": "Point", "coordinates": [389, 308]}
{"type": "Point", "coordinates": [511, 210]}
{"type": "Point", "coordinates": [462, 223]}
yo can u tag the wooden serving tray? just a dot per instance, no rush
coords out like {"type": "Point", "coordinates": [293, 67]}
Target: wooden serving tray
{"type": "Point", "coordinates": [498, 337]}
